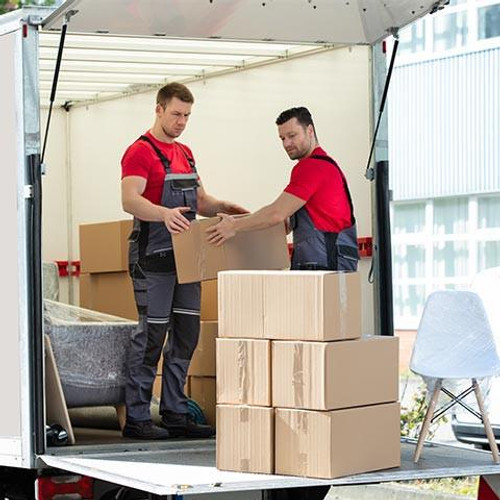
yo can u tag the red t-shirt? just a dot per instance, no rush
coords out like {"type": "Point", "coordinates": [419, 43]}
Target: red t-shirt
{"type": "Point", "coordinates": [141, 160]}
{"type": "Point", "coordinates": [319, 184]}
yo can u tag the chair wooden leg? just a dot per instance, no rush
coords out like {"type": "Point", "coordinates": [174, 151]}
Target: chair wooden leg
{"type": "Point", "coordinates": [486, 421]}
{"type": "Point", "coordinates": [427, 420]}
{"type": "Point", "coordinates": [121, 413]}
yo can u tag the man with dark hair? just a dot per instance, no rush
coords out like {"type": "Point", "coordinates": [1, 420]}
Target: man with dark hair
{"type": "Point", "coordinates": [162, 190]}
{"type": "Point", "coordinates": [317, 201]}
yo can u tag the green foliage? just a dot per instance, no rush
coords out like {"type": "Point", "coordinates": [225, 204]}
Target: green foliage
{"type": "Point", "coordinates": [463, 486]}
{"type": "Point", "coordinates": [8, 5]}
{"type": "Point", "coordinates": [412, 417]}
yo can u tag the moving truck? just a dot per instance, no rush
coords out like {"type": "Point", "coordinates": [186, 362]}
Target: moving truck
{"type": "Point", "coordinates": [246, 61]}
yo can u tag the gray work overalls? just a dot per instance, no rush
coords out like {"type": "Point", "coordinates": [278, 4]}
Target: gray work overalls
{"type": "Point", "coordinates": [162, 304]}
{"type": "Point", "coordinates": [315, 249]}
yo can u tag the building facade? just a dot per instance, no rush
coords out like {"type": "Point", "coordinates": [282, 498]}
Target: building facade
{"type": "Point", "coordinates": [444, 153]}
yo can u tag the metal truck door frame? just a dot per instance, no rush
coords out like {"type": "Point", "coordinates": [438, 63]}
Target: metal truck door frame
{"type": "Point", "coordinates": [20, 364]}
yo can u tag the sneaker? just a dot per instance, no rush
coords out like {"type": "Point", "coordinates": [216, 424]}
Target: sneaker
{"type": "Point", "coordinates": [184, 425]}
{"type": "Point", "coordinates": [144, 430]}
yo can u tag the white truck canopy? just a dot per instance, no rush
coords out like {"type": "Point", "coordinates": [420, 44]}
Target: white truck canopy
{"type": "Point", "coordinates": [292, 21]}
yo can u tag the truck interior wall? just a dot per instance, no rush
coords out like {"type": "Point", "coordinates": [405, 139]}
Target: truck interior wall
{"type": "Point", "coordinates": [233, 135]}
{"type": "Point", "coordinates": [56, 208]}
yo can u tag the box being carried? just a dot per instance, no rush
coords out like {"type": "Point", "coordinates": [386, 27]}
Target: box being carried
{"type": "Point", "coordinates": [198, 260]}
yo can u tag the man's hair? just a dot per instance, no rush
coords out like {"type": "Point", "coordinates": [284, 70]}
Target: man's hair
{"type": "Point", "coordinates": [302, 114]}
{"type": "Point", "coordinates": [171, 90]}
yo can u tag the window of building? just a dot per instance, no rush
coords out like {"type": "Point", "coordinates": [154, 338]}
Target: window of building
{"type": "Point", "coordinates": [412, 38]}
{"type": "Point", "coordinates": [450, 31]}
{"type": "Point", "coordinates": [440, 244]}
{"type": "Point", "coordinates": [489, 22]}
{"type": "Point", "coordinates": [488, 212]}
{"type": "Point", "coordinates": [460, 25]}
{"type": "Point", "coordinates": [409, 218]}
{"type": "Point", "coordinates": [409, 261]}
{"type": "Point", "coordinates": [451, 216]}
{"type": "Point", "coordinates": [450, 259]}
{"type": "Point", "coordinates": [488, 254]}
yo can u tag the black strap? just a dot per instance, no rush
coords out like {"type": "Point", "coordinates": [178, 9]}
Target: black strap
{"type": "Point", "coordinates": [164, 160]}
{"type": "Point", "coordinates": [344, 182]}
{"type": "Point", "coordinates": [189, 159]}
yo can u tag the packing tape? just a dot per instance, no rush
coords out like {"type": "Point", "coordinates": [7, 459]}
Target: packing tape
{"type": "Point", "coordinates": [302, 430]}
{"type": "Point", "coordinates": [243, 369]}
{"type": "Point", "coordinates": [198, 234]}
{"type": "Point", "coordinates": [302, 463]}
{"type": "Point", "coordinates": [343, 304]}
{"type": "Point", "coordinates": [298, 374]}
{"type": "Point", "coordinates": [244, 415]}
{"type": "Point", "coordinates": [303, 422]}
{"type": "Point", "coordinates": [245, 464]}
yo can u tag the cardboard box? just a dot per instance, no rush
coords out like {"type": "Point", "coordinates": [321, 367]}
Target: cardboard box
{"type": "Point", "coordinates": [244, 371]}
{"type": "Point", "coordinates": [245, 439]}
{"type": "Point", "coordinates": [110, 293]}
{"type": "Point", "coordinates": [290, 305]}
{"type": "Point", "coordinates": [337, 443]}
{"type": "Point", "coordinates": [241, 304]}
{"type": "Point", "coordinates": [203, 360]}
{"type": "Point", "coordinates": [208, 310]}
{"type": "Point", "coordinates": [198, 260]}
{"type": "Point", "coordinates": [202, 390]}
{"type": "Point", "coordinates": [312, 305]}
{"type": "Point", "coordinates": [104, 246]}
{"type": "Point", "coordinates": [334, 375]}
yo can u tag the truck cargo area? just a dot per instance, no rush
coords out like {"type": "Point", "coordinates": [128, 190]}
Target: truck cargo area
{"type": "Point", "coordinates": [188, 467]}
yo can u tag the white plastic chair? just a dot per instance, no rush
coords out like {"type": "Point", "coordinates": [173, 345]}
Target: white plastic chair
{"type": "Point", "coordinates": [454, 341]}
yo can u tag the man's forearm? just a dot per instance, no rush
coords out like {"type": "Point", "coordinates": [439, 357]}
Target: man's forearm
{"type": "Point", "coordinates": [211, 206]}
{"type": "Point", "coordinates": [143, 209]}
{"type": "Point", "coordinates": [265, 217]}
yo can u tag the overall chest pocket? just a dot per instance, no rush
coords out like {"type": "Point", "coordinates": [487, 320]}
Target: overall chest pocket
{"type": "Point", "coordinates": [184, 193]}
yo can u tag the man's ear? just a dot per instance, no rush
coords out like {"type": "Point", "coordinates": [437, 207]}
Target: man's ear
{"type": "Point", "coordinates": [158, 109]}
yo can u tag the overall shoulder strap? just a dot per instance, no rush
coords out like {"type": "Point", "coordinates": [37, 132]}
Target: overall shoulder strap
{"type": "Point", "coordinates": [164, 160]}
{"type": "Point", "coordinates": [189, 159]}
{"type": "Point", "coordinates": [344, 182]}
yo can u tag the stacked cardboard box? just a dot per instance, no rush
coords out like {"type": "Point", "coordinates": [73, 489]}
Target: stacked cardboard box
{"type": "Point", "coordinates": [105, 284]}
{"type": "Point", "coordinates": [299, 391]}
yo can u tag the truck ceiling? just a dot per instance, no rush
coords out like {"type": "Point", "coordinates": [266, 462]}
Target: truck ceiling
{"type": "Point", "coordinates": [121, 47]}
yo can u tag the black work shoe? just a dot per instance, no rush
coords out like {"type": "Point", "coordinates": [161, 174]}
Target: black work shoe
{"type": "Point", "coordinates": [144, 430]}
{"type": "Point", "coordinates": [184, 425]}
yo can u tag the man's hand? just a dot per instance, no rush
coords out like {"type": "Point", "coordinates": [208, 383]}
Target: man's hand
{"type": "Point", "coordinates": [221, 231]}
{"type": "Point", "coordinates": [174, 220]}
{"type": "Point", "coordinates": [233, 209]}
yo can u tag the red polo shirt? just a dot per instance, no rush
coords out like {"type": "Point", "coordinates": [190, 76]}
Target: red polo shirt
{"type": "Point", "coordinates": [320, 185]}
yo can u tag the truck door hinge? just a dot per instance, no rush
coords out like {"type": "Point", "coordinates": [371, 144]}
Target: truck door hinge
{"type": "Point", "coordinates": [28, 191]}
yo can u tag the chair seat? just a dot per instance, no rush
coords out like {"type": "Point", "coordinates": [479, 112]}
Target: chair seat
{"type": "Point", "coordinates": [456, 374]}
